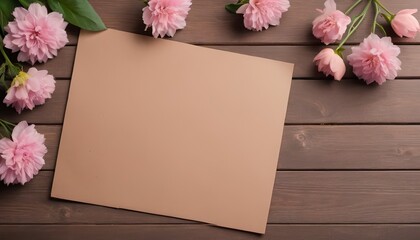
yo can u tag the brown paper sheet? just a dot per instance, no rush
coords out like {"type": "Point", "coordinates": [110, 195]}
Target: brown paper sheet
{"type": "Point", "coordinates": [173, 129]}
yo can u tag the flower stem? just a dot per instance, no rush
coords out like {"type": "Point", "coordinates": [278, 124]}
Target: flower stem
{"type": "Point", "coordinates": [6, 58]}
{"type": "Point", "coordinates": [383, 7]}
{"type": "Point", "coordinates": [356, 23]}
{"type": "Point", "coordinates": [8, 123]}
{"type": "Point", "coordinates": [353, 6]}
{"type": "Point", "coordinates": [2, 74]}
{"type": "Point", "coordinates": [375, 22]}
{"type": "Point", "coordinates": [13, 70]}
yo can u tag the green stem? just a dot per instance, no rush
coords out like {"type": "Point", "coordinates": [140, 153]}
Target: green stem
{"type": "Point", "coordinates": [356, 23]}
{"type": "Point", "coordinates": [13, 69]}
{"type": "Point", "coordinates": [382, 29]}
{"type": "Point", "coordinates": [7, 123]}
{"type": "Point", "coordinates": [352, 7]}
{"type": "Point", "coordinates": [2, 73]}
{"type": "Point", "coordinates": [383, 7]}
{"type": "Point", "coordinates": [375, 22]}
{"type": "Point", "coordinates": [6, 58]}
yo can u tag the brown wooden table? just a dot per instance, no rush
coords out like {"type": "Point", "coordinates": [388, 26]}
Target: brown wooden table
{"type": "Point", "coordinates": [350, 162]}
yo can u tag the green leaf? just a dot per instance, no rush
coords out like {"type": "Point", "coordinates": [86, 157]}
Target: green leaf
{"type": "Point", "coordinates": [233, 7]}
{"type": "Point", "coordinates": [26, 3]}
{"type": "Point", "coordinates": [6, 10]}
{"type": "Point", "coordinates": [79, 13]}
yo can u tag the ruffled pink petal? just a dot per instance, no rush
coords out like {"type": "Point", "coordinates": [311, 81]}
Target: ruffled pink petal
{"type": "Point", "coordinates": [36, 34]}
{"type": "Point", "coordinates": [37, 88]}
{"type": "Point", "coordinates": [22, 157]}
{"type": "Point", "coordinates": [166, 16]}
{"type": "Point", "coordinates": [330, 26]}
{"type": "Point", "coordinates": [260, 14]}
{"type": "Point", "coordinates": [375, 59]}
{"type": "Point", "coordinates": [330, 63]}
{"type": "Point", "coordinates": [405, 24]}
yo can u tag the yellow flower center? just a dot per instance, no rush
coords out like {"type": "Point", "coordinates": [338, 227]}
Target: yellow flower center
{"type": "Point", "coordinates": [20, 79]}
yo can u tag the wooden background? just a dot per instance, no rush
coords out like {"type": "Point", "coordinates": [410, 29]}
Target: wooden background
{"type": "Point", "coordinates": [350, 162]}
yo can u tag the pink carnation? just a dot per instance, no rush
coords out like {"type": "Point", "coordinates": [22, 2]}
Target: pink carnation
{"type": "Point", "coordinates": [30, 89]}
{"type": "Point", "coordinates": [259, 14]}
{"type": "Point", "coordinates": [330, 63]}
{"type": "Point", "coordinates": [375, 59]}
{"type": "Point", "coordinates": [22, 156]}
{"type": "Point", "coordinates": [35, 33]}
{"type": "Point", "coordinates": [405, 24]}
{"type": "Point", "coordinates": [331, 24]}
{"type": "Point", "coordinates": [166, 16]}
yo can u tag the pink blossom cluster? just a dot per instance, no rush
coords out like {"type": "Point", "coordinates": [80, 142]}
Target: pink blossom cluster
{"type": "Point", "coordinates": [30, 89]}
{"type": "Point", "coordinates": [21, 156]}
{"type": "Point", "coordinates": [165, 17]}
{"type": "Point", "coordinates": [373, 60]}
{"type": "Point", "coordinates": [260, 14]}
{"type": "Point", "coordinates": [35, 34]}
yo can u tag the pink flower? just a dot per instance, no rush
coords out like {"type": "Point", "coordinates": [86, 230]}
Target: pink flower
{"type": "Point", "coordinates": [375, 59]}
{"type": "Point", "coordinates": [35, 33]}
{"type": "Point", "coordinates": [405, 24]}
{"type": "Point", "coordinates": [30, 89]}
{"type": "Point", "coordinates": [259, 14]}
{"type": "Point", "coordinates": [331, 24]}
{"type": "Point", "coordinates": [166, 16]}
{"type": "Point", "coordinates": [22, 156]}
{"type": "Point", "coordinates": [330, 63]}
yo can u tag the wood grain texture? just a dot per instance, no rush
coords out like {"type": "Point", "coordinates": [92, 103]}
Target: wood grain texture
{"type": "Point", "coordinates": [52, 135]}
{"type": "Point", "coordinates": [298, 197]}
{"type": "Point", "coordinates": [206, 232]}
{"type": "Point", "coordinates": [350, 147]}
{"type": "Point", "coordinates": [346, 197]}
{"type": "Point", "coordinates": [322, 147]}
{"type": "Point", "coordinates": [311, 102]}
{"type": "Point", "coordinates": [321, 102]}
{"type": "Point", "coordinates": [31, 203]}
{"type": "Point", "coordinates": [62, 66]}
{"type": "Point", "coordinates": [209, 23]}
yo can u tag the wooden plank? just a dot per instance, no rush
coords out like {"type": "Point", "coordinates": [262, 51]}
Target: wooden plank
{"type": "Point", "coordinates": [346, 197]}
{"type": "Point", "coordinates": [299, 197]}
{"type": "Point", "coordinates": [52, 134]}
{"type": "Point", "coordinates": [209, 23]}
{"type": "Point", "coordinates": [314, 101]}
{"type": "Point", "coordinates": [323, 147]}
{"type": "Point", "coordinates": [350, 147]}
{"type": "Point", "coordinates": [206, 232]}
{"type": "Point", "coordinates": [32, 204]}
{"type": "Point", "coordinates": [321, 101]}
{"type": "Point", "coordinates": [72, 34]}
{"type": "Point", "coordinates": [61, 66]}
{"type": "Point", "coordinates": [52, 112]}
{"type": "Point", "coordinates": [311, 102]}
{"type": "Point", "coordinates": [301, 56]}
